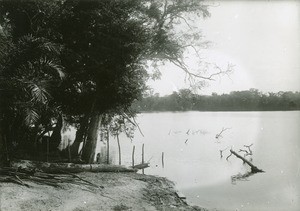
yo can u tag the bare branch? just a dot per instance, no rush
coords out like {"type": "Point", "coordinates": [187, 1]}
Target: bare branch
{"type": "Point", "coordinates": [250, 151]}
{"type": "Point", "coordinates": [229, 156]}
{"type": "Point", "coordinates": [243, 150]}
{"type": "Point", "coordinates": [221, 151]}
{"type": "Point", "coordinates": [220, 134]}
{"type": "Point", "coordinates": [186, 22]}
{"type": "Point", "coordinates": [133, 121]}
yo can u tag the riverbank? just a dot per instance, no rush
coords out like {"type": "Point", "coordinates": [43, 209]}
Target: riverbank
{"type": "Point", "coordinates": [121, 191]}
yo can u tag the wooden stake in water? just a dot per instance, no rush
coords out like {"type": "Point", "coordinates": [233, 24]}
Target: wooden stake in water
{"type": "Point", "coordinates": [162, 159]}
{"type": "Point", "coordinates": [107, 152]}
{"type": "Point", "coordinates": [143, 160]}
{"type": "Point", "coordinates": [133, 155]}
{"type": "Point", "coordinates": [119, 147]}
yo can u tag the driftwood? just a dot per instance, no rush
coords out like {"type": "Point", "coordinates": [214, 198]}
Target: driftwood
{"type": "Point", "coordinates": [254, 169]}
{"type": "Point", "coordinates": [247, 151]}
{"type": "Point", "coordinates": [220, 134]}
{"type": "Point", "coordinates": [221, 152]}
{"type": "Point", "coordinates": [54, 174]}
{"type": "Point", "coordinates": [141, 166]}
{"type": "Point", "coordinates": [70, 167]}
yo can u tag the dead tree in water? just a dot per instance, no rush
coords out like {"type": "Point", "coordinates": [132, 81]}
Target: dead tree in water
{"type": "Point", "coordinates": [250, 151]}
{"type": "Point", "coordinates": [220, 134]}
{"type": "Point", "coordinates": [254, 169]}
{"type": "Point", "coordinates": [247, 151]}
{"type": "Point", "coordinates": [221, 152]}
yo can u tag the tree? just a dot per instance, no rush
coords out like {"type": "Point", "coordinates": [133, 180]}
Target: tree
{"type": "Point", "coordinates": [118, 124]}
{"type": "Point", "coordinates": [31, 71]}
{"type": "Point", "coordinates": [111, 47]}
{"type": "Point", "coordinates": [104, 47]}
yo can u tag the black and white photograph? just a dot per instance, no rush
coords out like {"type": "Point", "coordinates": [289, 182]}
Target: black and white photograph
{"type": "Point", "coordinates": [154, 105]}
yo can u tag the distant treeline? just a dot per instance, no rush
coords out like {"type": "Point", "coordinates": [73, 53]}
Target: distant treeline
{"type": "Point", "coordinates": [250, 100]}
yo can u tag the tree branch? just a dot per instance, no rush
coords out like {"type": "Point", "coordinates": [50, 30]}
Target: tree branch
{"type": "Point", "coordinates": [220, 134]}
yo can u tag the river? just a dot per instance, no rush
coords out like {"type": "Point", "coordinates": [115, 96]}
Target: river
{"type": "Point", "coordinates": [193, 161]}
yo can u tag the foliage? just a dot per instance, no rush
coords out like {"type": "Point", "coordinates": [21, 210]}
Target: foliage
{"type": "Point", "coordinates": [78, 59]}
{"type": "Point", "coordinates": [250, 100]}
{"type": "Point", "coordinates": [121, 124]}
{"type": "Point", "coordinates": [30, 72]}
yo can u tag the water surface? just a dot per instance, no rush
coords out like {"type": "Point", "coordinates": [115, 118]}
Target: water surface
{"type": "Point", "coordinates": [192, 157]}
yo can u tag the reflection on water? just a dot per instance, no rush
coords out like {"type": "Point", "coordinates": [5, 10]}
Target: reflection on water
{"type": "Point", "coordinates": [240, 177]}
{"type": "Point", "coordinates": [192, 156]}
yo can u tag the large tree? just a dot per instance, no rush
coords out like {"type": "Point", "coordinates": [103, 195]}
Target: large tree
{"type": "Point", "coordinates": [103, 47]}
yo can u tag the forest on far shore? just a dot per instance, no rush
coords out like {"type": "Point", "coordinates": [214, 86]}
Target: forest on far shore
{"type": "Point", "coordinates": [248, 100]}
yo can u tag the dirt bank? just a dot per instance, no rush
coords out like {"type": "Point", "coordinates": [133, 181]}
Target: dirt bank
{"type": "Point", "coordinates": [121, 191]}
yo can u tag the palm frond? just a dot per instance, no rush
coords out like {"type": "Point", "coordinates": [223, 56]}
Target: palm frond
{"type": "Point", "coordinates": [51, 47]}
{"type": "Point", "coordinates": [31, 117]}
{"type": "Point", "coordinates": [52, 67]}
{"type": "Point", "coordinates": [38, 93]}
{"type": "Point", "coordinates": [26, 39]}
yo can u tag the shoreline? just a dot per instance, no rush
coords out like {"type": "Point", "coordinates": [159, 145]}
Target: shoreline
{"type": "Point", "coordinates": [121, 191]}
{"type": "Point", "coordinates": [210, 111]}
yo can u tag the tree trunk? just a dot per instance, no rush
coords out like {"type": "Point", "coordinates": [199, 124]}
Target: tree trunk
{"type": "Point", "coordinates": [254, 169]}
{"type": "Point", "coordinates": [2, 151]}
{"type": "Point", "coordinates": [119, 147]}
{"type": "Point", "coordinates": [4, 148]}
{"type": "Point", "coordinates": [71, 167]}
{"type": "Point", "coordinates": [80, 134]}
{"type": "Point", "coordinates": [55, 138]}
{"type": "Point", "coordinates": [89, 149]}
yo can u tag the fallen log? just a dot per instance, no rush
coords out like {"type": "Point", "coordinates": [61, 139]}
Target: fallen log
{"type": "Point", "coordinates": [76, 168]}
{"type": "Point", "coordinates": [141, 166]}
{"type": "Point", "coordinates": [70, 167]}
{"type": "Point", "coordinates": [254, 169]}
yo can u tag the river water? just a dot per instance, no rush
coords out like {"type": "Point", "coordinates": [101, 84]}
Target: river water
{"type": "Point", "coordinates": [193, 161]}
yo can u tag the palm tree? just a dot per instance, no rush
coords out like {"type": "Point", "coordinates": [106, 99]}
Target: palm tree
{"type": "Point", "coordinates": [30, 73]}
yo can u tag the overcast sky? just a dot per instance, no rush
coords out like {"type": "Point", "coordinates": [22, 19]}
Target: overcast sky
{"type": "Point", "coordinates": [262, 40]}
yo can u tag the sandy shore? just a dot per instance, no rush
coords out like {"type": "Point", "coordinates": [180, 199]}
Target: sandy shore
{"type": "Point", "coordinates": [121, 191]}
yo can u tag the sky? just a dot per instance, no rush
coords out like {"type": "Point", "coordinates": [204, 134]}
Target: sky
{"type": "Point", "coordinates": [260, 38]}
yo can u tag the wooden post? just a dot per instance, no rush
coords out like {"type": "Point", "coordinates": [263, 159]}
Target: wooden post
{"type": "Point", "coordinates": [143, 160]}
{"type": "Point", "coordinates": [133, 150]}
{"type": "Point", "coordinates": [120, 161]}
{"type": "Point", "coordinates": [107, 149]}
{"type": "Point", "coordinates": [162, 160]}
